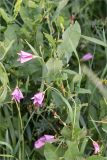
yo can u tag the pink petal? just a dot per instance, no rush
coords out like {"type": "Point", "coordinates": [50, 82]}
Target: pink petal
{"type": "Point", "coordinates": [96, 147]}
{"type": "Point", "coordinates": [38, 98]}
{"type": "Point", "coordinates": [20, 93]}
{"type": "Point", "coordinates": [42, 140]}
{"type": "Point", "coordinates": [25, 56]}
{"type": "Point", "coordinates": [49, 138]}
{"type": "Point", "coordinates": [17, 94]}
{"type": "Point", "coordinates": [23, 60]}
{"type": "Point", "coordinates": [38, 144]}
{"type": "Point", "coordinates": [87, 57]}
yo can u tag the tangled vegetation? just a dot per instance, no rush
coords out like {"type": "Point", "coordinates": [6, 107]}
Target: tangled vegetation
{"type": "Point", "coordinates": [53, 87]}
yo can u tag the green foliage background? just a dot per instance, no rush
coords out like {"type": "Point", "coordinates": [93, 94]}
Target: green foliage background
{"type": "Point", "coordinates": [45, 28]}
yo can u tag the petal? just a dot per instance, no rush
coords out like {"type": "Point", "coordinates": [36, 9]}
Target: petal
{"type": "Point", "coordinates": [17, 94]}
{"type": "Point", "coordinates": [39, 95]}
{"type": "Point", "coordinates": [25, 56]}
{"type": "Point", "coordinates": [49, 138]}
{"type": "Point", "coordinates": [39, 144]}
{"type": "Point", "coordinates": [38, 98]}
{"type": "Point", "coordinates": [96, 147]}
{"type": "Point", "coordinates": [23, 60]}
{"type": "Point", "coordinates": [21, 95]}
{"type": "Point", "coordinates": [23, 53]}
{"type": "Point", "coordinates": [87, 57]}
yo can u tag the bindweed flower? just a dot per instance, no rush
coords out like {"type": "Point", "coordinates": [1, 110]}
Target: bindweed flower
{"type": "Point", "coordinates": [44, 139]}
{"type": "Point", "coordinates": [96, 147]}
{"type": "Point", "coordinates": [87, 57]}
{"type": "Point", "coordinates": [24, 57]}
{"type": "Point", "coordinates": [17, 95]}
{"type": "Point", "coordinates": [38, 99]}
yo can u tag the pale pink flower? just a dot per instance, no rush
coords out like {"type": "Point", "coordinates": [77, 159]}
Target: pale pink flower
{"type": "Point", "coordinates": [87, 57]}
{"type": "Point", "coordinates": [24, 56]}
{"type": "Point", "coordinates": [96, 147]}
{"type": "Point", "coordinates": [17, 94]}
{"type": "Point", "coordinates": [38, 99]}
{"type": "Point", "coordinates": [44, 139]}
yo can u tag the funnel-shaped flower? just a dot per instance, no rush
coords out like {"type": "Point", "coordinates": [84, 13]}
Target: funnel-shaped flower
{"type": "Point", "coordinates": [87, 57]}
{"type": "Point", "coordinates": [38, 99]}
{"type": "Point", "coordinates": [96, 147]}
{"type": "Point", "coordinates": [17, 94]}
{"type": "Point", "coordinates": [24, 57]}
{"type": "Point", "coordinates": [41, 141]}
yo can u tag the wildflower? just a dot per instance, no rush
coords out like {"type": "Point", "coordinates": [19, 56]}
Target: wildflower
{"type": "Point", "coordinates": [24, 57]}
{"type": "Point", "coordinates": [17, 95]}
{"type": "Point", "coordinates": [87, 57]}
{"type": "Point", "coordinates": [44, 139]}
{"type": "Point", "coordinates": [96, 147]}
{"type": "Point", "coordinates": [38, 99]}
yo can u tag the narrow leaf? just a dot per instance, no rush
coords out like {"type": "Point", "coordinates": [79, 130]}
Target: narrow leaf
{"type": "Point", "coordinates": [17, 8]}
{"type": "Point", "coordinates": [7, 49]}
{"type": "Point", "coordinates": [5, 16]}
{"type": "Point", "coordinates": [94, 40]}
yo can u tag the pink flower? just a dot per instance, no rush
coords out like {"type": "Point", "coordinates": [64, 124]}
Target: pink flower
{"type": "Point", "coordinates": [96, 147]}
{"type": "Point", "coordinates": [38, 99]}
{"type": "Point", "coordinates": [87, 57]}
{"type": "Point", "coordinates": [24, 57]}
{"type": "Point", "coordinates": [17, 95]}
{"type": "Point", "coordinates": [44, 139]}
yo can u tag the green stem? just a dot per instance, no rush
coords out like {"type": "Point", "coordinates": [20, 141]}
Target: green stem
{"type": "Point", "coordinates": [21, 130]}
{"type": "Point", "coordinates": [74, 115]}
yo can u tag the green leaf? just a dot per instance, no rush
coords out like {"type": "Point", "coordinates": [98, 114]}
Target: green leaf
{"type": "Point", "coordinates": [70, 72]}
{"type": "Point", "coordinates": [71, 38]}
{"type": "Point", "coordinates": [61, 5]}
{"type": "Point", "coordinates": [96, 157]}
{"type": "Point", "coordinates": [3, 77]}
{"type": "Point", "coordinates": [83, 144]}
{"type": "Point", "coordinates": [7, 145]}
{"type": "Point", "coordinates": [3, 93]}
{"type": "Point", "coordinates": [7, 49]}
{"type": "Point", "coordinates": [84, 91]}
{"type": "Point", "coordinates": [4, 81]}
{"type": "Point", "coordinates": [57, 99]}
{"type": "Point", "coordinates": [5, 16]}
{"type": "Point", "coordinates": [50, 39]}
{"type": "Point", "coordinates": [72, 152]}
{"type": "Point", "coordinates": [32, 48]}
{"type": "Point", "coordinates": [39, 37]}
{"type": "Point", "coordinates": [50, 152]}
{"type": "Point", "coordinates": [70, 112]}
{"type": "Point", "coordinates": [11, 129]}
{"type": "Point", "coordinates": [94, 40]}
{"type": "Point", "coordinates": [7, 156]}
{"type": "Point", "coordinates": [10, 33]}
{"type": "Point", "coordinates": [53, 69]}
{"type": "Point", "coordinates": [77, 78]}
{"type": "Point", "coordinates": [66, 132]}
{"type": "Point", "coordinates": [17, 8]}
{"type": "Point", "coordinates": [32, 4]}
